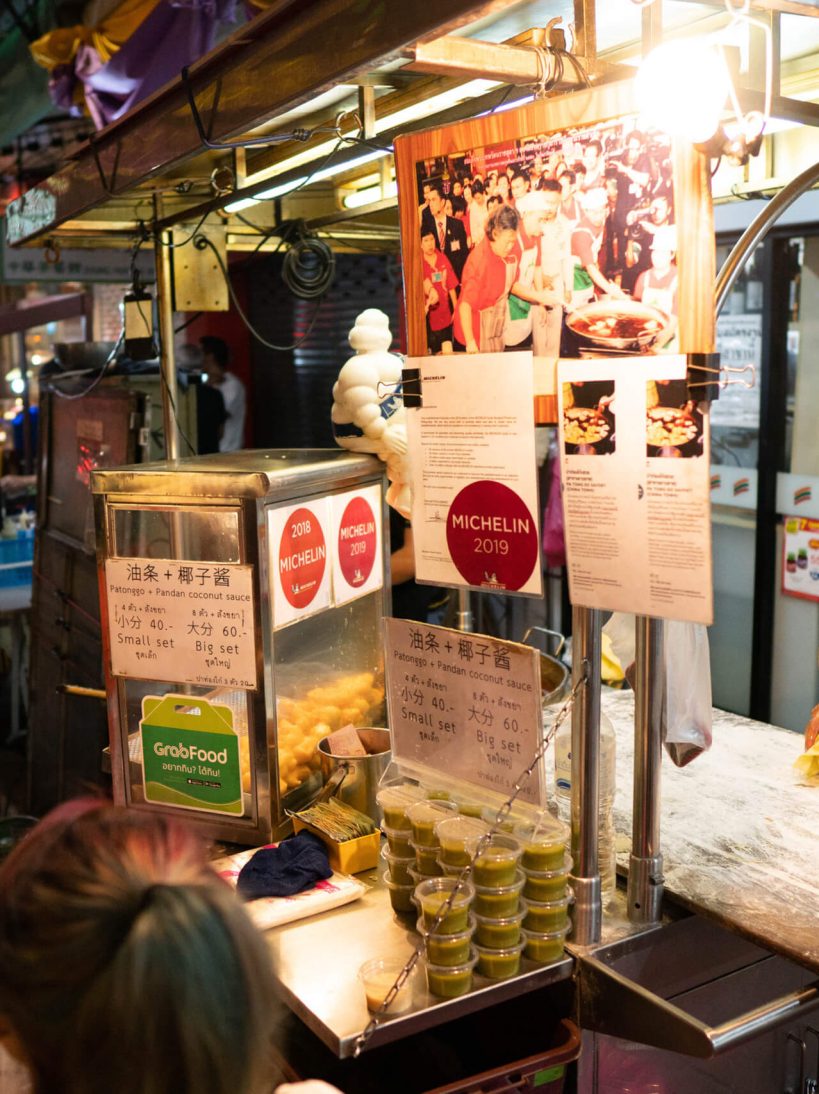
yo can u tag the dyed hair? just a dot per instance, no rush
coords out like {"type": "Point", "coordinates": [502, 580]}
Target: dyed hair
{"type": "Point", "coordinates": [126, 964]}
{"type": "Point", "coordinates": [501, 219]}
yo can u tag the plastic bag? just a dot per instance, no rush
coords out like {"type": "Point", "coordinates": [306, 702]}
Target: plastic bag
{"type": "Point", "coordinates": [687, 708]}
{"type": "Point", "coordinates": [554, 543]}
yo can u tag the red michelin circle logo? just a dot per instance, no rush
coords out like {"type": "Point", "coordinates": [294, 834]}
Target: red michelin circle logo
{"type": "Point", "coordinates": [302, 557]}
{"type": "Point", "coordinates": [491, 536]}
{"type": "Point", "coordinates": [357, 542]}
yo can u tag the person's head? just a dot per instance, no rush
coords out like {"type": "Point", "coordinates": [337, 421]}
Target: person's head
{"type": "Point", "coordinates": [568, 183]}
{"type": "Point", "coordinates": [126, 964]}
{"type": "Point", "coordinates": [531, 208]}
{"type": "Point", "coordinates": [458, 203]}
{"type": "Point", "coordinates": [216, 357]}
{"type": "Point", "coordinates": [435, 199]}
{"type": "Point", "coordinates": [478, 191]}
{"type": "Point", "coordinates": [552, 193]}
{"type": "Point", "coordinates": [595, 206]}
{"type": "Point", "coordinates": [425, 190]}
{"type": "Point", "coordinates": [610, 182]}
{"type": "Point", "coordinates": [493, 202]}
{"type": "Point", "coordinates": [501, 230]}
{"type": "Point", "coordinates": [190, 357]}
{"type": "Point", "coordinates": [427, 242]}
{"type": "Point", "coordinates": [591, 154]}
{"type": "Point", "coordinates": [660, 210]}
{"type": "Point", "coordinates": [519, 185]}
{"type": "Point", "coordinates": [448, 207]}
{"type": "Point", "coordinates": [503, 186]}
{"type": "Point", "coordinates": [457, 188]}
{"type": "Point", "coordinates": [663, 248]}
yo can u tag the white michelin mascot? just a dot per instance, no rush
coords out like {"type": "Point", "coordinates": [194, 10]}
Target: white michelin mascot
{"type": "Point", "coordinates": [368, 410]}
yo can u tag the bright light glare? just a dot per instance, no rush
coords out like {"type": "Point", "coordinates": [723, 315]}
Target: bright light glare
{"type": "Point", "coordinates": [17, 386]}
{"type": "Point", "coordinates": [681, 88]}
{"type": "Point", "coordinates": [369, 194]}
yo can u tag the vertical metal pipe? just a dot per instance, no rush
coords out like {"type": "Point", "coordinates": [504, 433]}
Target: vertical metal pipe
{"type": "Point", "coordinates": [586, 645]}
{"type": "Point", "coordinates": [645, 876]}
{"type": "Point", "coordinates": [167, 362]}
{"type": "Point", "coordinates": [28, 448]}
{"type": "Point", "coordinates": [464, 620]}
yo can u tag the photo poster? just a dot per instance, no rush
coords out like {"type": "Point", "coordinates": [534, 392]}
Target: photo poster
{"type": "Point", "coordinates": [603, 225]}
{"type": "Point", "coordinates": [473, 472]}
{"type": "Point", "coordinates": [636, 487]}
{"type": "Point", "coordinates": [800, 558]}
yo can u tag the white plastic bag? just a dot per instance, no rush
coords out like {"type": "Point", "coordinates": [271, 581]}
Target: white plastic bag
{"type": "Point", "coordinates": [687, 707]}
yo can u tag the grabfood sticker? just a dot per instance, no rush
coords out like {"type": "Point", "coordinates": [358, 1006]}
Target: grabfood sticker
{"type": "Point", "coordinates": [190, 754]}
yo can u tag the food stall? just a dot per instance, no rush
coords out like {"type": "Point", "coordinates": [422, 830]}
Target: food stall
{"type": "Point", "coordinates": [589, 983]}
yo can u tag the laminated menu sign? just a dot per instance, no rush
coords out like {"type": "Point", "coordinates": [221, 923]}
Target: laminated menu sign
{"type": "Point", "coordinates": [474, 472]}
{"type": "Point", "coordinates": [464, 705]}
{"type": "Point", "coordinates": [800, 558]}
{"type": "Point", "coordinates": [636, 487]}
{"type": "Point", "coordinates": [181, 621]}
{"type": "Point", "coordinates": [190, 754]}
{"type": "Point", "coordinates": [357, 532]}
{"type": "Point", "coordinates": [300, 572]}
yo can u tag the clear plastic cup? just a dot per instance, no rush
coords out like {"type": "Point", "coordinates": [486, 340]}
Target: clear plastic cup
{"type": "Point", "coordinates": [497, 861]}
{"type": "Point", "coordinates": [449, 981]}
{"type": "Point", "coordinates": [544, 843]}
{"type": "Point", "coordinates": [458, 837]}
{"type": "Point", "coordinates": [398, 841]}
{"type": "Point", "coordinates": [544, 947]}
{"type": "Point", "coordinates": [426, 860]}
{"type": "Point", "coordinates": [546, 885]}
{"type": "Point", "coordinates": [498, 902]}
{"type": "Point", "coordinates": [496, 934]}
{"type": "Point", "coordinates": [544, 916]}
{"type": "Point", "coordinates": [377, 977]}
{"type": "Point", "coordinates": [424, 815]}
{"type": "Point", "coordinates": [499, 964]}
{"type": "Point", "coordinates": [394, 801]}
{"type": "Point", "coordinates": [402, 897]}
{"type": "Point", "coordinates": [398, 866]}
{"type": "Point", "coordinates": [434, 893]}
{"type": "Point", "coordinates": [447, 949]}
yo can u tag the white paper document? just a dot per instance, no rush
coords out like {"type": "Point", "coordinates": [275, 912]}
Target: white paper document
{"type": "Point", "coordinates": [636, 492]}
{"type": "Point", "coordinates": [473, 468]}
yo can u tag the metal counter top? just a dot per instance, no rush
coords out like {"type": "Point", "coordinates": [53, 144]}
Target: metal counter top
{"type": "Point", "coordinates": [740, 832]}
{"type": "Point", "coordinates": [316, 963]}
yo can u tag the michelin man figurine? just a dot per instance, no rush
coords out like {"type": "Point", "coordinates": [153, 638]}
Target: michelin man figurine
{"type": "Point", "coordinates": [368, 411]}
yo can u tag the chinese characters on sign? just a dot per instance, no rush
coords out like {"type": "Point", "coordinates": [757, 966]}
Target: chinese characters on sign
{"type": "Point", "coordinates": [181, 621]}
{"type": "Point", "coordinates": [464, 705]}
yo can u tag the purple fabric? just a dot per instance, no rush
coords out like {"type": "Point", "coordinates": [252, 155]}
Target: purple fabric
{"type": "Point", "coordinates": [61, 83]}
{"type": "Point", "coordinates": [172, 36]}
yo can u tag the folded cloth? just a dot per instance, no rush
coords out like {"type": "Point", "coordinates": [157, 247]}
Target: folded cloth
{"type": "Point", "coordinates": [295, 865]}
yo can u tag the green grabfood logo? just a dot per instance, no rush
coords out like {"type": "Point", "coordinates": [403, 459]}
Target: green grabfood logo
{"type": "Point", "coordinates": [190, 755]}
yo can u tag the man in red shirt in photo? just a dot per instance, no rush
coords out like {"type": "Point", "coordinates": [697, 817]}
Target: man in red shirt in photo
{"type": "Point", "coordinates": [440, 283]}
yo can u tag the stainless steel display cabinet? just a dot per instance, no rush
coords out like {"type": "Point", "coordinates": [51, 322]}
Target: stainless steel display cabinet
{"type": "Point", "coordinates": [242, 597]}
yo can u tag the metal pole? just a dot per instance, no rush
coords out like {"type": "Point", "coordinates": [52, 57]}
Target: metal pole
{"type": "Point", "coordinates": [758, 229]}
{"type": "Point", "coordinates": [464, 620]}
{"type": "Point", "coordinates": [28, 453]}
{"type": "Point", "coordinates": [586, 645]}
{"type": "Point", "coordinates": [645, 875]}
{"type": "Point", "coordinates": [167, 360]}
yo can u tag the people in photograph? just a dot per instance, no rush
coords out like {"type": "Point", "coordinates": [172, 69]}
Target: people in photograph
{"type": "Point", "coordinates": [594, 165]}
{"type": "Point", "coordinates": [658, 284]}
{"type": "Point", "coordinates": [440, 299]}
{"type": "Point", "coordinates": [555, 272]}
{"type": "Point", "coordinates": [477, 213]}
{"type": "Point", "coordinates": [449, 232]}
{"type": "Point", "coordinates": [518, 186]}
{"type": "Point", "coordinates": [570, 210]}
{"type": "Point", "coordinates": [587, 240]}
{"type": "Point", "coordinates": [216, 362]}
{"type": "Point", "coordinates": [489, 274]}
{"type": "Point", "coordinates": [642, 223]}
{"type": "Point", "coordinates": [504, 189]}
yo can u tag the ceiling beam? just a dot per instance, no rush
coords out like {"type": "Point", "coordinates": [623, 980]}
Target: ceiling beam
{"type": "Point", "coordinates": [278, 61]}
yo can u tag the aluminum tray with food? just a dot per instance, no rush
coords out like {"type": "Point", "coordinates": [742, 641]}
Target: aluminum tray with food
{"type": "Point", "coordinates": [584, 425]}
{"type": "Point", "coordinates": [620, 324]}
{"type": "Point", "coordinates": [668, 426]}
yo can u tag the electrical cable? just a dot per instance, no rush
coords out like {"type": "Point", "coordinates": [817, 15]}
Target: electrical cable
{"type": "Point", "coordinates": [175, 413]}
{"type": "Point", "coordinates": [309, 267]}
{"type": "Point", "coordinates": [196, 315]}
{"type": "Point", "coordinates": [203, 241]}
{"type": "Point", "coordinates": [95, 382]}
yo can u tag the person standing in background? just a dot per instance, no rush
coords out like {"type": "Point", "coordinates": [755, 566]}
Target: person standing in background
{"type": "Point", "coordinates": [210, 406]}
{"type": "Point", "coordinates": [215, 363]}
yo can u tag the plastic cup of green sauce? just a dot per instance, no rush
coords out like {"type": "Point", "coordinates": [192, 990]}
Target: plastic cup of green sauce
{"type": "Point", "coordinates": [401, 896]}
{"type": "Point", "coordinates": [544, 843]}
{"type": "Point", "coordinates": [449, 981]}
{"type": "Point", "coordinates": [424, 815]}
{"type": "Point", "coordinates": [398, 841]}
{"type": "Point", "coordinates": [458, 837]}
{"type": "Point", "coordinates": [496, 862]}
{"type": "Point", "coordinates": [434, 893]}
{"type": "Point", "coordinates": [394, 802]}
{"type": "Point", "coordinates": [497, 934]}
{"type": "Point", "coordinates": [398, 866]}
{"type": "Point", "coordinates": [496, 902]}
{"type": "Point", "coordinates": [549, 915]}
{"type": "Point", "coordinates": [499, 964]}
{"type": "Point", "coordinates": [426, 860]}
{"type": "Point", "coordinates": [544, 947]}
{"type": "Point", "coordinates": [547, 885]}
{"type": "Point", "coordinates": [447, 949]}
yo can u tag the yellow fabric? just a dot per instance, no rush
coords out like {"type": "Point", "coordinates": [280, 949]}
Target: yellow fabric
{"type": "Point", "coordinates": [611, 671]}
{"type": "Point", "coordinates": [59, 46]}
{"type": "Point", "coordinates": [808, 762]}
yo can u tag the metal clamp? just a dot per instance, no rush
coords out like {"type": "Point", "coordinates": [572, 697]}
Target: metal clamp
{"type": "Point", "coordinates": [704, 370]}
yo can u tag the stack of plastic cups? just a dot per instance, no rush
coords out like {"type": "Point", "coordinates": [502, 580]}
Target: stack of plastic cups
{"type": "Point", "coordinates": [450, 955]}
{"type": "Point", "coordinates": [398, 854]}
{"type": "Point", "coordinates": [546, 866]}
{"type": "Point", "coordinates": [423, 817]}
{"type": "Point", "coordinates": [499, 910]}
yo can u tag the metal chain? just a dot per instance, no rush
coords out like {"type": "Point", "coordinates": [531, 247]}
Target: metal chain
{"type": "Point", "coordinates": [462, 878]}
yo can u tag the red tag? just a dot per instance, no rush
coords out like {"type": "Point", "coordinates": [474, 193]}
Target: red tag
{"type": "Point", "coordinates": [492, 536]}
{"type": "Point", "coordinates": [357, 542]}
{"type": "Point", "coordinates": [302, 558]}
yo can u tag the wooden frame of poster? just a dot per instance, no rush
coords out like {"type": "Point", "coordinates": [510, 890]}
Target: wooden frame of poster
{"type": "Point", "coordinates": [656, 169]}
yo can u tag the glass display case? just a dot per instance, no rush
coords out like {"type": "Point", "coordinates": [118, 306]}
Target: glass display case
{"type": "Point", "coordinates": [242, 597]}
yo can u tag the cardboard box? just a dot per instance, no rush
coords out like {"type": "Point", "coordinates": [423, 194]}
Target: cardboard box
{"type": "Point", "coordinates": [350, 857]}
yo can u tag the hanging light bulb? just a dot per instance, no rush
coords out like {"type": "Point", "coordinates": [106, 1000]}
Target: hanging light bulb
{"type": "Point", "coordinates": [682, 88]}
